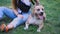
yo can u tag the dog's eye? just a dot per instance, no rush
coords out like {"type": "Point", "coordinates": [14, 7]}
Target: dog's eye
{"type": "Point", "coordinates": [42, 9]}
{"type": "Point", "coordinates": [38, 9]}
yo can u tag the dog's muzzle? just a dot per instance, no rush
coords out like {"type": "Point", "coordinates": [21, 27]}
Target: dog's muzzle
{"type": "Point", "coordinates": [41, 14]}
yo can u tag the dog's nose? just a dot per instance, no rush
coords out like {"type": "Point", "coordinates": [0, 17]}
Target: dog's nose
{"type": "Point", "coordinates": [38, 9]}
{"type": "Point", "coordinates": [41, 13]}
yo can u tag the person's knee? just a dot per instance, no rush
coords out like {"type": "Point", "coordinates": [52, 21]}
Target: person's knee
{"type": "Point", "coordinates": [2, 8]}
{"type": "Point", "coordinates": [25, 17]}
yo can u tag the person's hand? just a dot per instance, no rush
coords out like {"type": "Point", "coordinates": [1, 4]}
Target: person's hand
{"type": "Point", "coordinates": [20, 16]}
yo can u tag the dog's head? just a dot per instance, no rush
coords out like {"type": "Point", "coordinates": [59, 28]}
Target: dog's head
{"type": "Point", "coordinates": [38, 10]}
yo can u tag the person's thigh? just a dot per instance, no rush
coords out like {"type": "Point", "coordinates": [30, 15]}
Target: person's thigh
{"type": "Point", "coordinates": [9, 12]}
{"type": "Point", "coordinates": [25, 17]}
{"type": "Point", "coordinates": [1, 13]}
{"type": "Point", "coordinates": [18, 20]}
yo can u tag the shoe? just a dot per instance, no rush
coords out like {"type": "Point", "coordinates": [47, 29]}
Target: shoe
{"type": "Point", "coordinates": [2, 27]}
{"type": "Point", "coordinates": [6, 29]}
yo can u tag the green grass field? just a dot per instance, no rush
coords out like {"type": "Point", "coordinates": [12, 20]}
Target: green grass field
{"type": "Point", "coordinates": [51, 25]}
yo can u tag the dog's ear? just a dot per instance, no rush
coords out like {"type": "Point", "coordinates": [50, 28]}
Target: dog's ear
{"type": "Point", "coordinates": [44, 16]}
{"type": "Point", "coordinates": [43, 6]}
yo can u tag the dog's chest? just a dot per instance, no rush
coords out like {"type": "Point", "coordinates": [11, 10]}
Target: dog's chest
{"type": "Point", "coordinates": [34, 20]}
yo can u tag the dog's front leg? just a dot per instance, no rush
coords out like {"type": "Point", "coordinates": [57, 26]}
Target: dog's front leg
{"type": "Point", "coordinates": [40, 27]}
{"type": "Point", "coordinates": [26, 26]}
{"type": "Point", "coordinates": [27, 23]}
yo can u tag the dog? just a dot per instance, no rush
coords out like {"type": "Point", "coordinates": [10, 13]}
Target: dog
{"type": "Point", "coordinates": [37, 17]}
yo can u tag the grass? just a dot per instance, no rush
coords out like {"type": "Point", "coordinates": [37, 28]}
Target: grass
{"type": "Point", "coordinates": [51, 25]}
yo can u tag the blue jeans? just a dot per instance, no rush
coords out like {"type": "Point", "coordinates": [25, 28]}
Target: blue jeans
{"type": "Point", "coordinates": [16, 20]}
{"type": "Point", "coordinates": [6, 11]}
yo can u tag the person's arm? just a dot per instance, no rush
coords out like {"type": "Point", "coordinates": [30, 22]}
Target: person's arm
{"type": "Point", "coordinates": [14, 7]}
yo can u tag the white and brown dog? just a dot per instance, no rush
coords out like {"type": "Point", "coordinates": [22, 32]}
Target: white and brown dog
{"type": "Point", "coordinates": [37, 17]}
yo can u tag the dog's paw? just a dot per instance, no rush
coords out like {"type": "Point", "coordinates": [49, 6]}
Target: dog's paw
{"type": "Point", "coordinates": [25, 28]}
{"type": "Point", "coordinates": [38, 31]}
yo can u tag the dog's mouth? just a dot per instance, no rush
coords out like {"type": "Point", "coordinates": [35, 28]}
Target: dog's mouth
{"type": "Point", "coordinates": [39, 16]}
